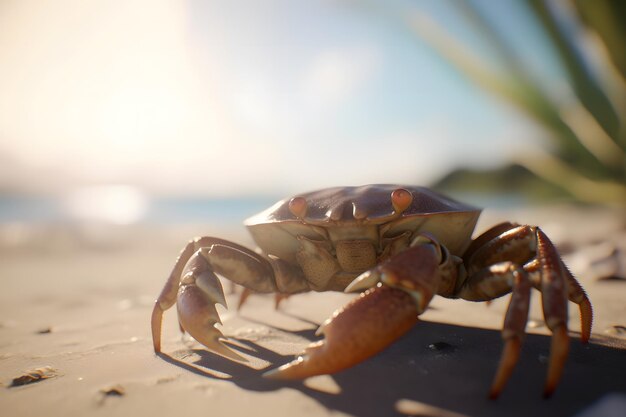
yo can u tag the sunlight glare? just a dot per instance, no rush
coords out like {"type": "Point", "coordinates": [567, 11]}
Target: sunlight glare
{"type": "Point", "coordinates": [114, 204]}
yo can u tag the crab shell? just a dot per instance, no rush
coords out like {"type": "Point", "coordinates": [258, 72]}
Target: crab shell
{"type": "Point", "coordinates": [372, 212]}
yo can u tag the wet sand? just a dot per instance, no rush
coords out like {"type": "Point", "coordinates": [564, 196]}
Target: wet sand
{"type": "Point", "coordinates": [79, 301]}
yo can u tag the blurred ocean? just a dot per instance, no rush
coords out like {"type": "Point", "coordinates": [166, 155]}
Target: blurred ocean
{"type": "Point", "coordinates": [117, 217]}
{"type": "Point", "coordinates": [126, 206]}
{"type": "Point", "coordinates": [129, 209]}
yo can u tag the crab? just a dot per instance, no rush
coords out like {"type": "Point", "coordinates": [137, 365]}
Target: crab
{"type": "Point", "coordinates": [398, 246]}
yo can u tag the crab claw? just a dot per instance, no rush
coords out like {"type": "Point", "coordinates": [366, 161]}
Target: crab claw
{"type": "Point", "coordinates": [199, 291]}
{"type": "Point", "coordinates": [357, 331]}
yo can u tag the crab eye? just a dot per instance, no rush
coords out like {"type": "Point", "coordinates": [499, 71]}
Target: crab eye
{"type": "Point", "coordinates": [401, 199]}
{"type": "Point", "coordinates": [358, 213]}
{"type": "Point", "coordinates": [298, 207]}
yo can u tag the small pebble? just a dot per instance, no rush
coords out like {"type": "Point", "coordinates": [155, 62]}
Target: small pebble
{"type": "Point", "coordinates": [616, 330]}
{"type": "Point", "coordinates": [45, 330]}
{"type": "Point", "coordinates": [114, 391]}
{"type": "Point", "coordinates": [614, 278]}
{"type": "Point", "coordinates": [441, 346]}
{"type": "Point", "coordinates": [167, 379]}
{"type": "Point", "coordinates": [611, 267]}
{"type": "Point", "coordinates": [34, 375]}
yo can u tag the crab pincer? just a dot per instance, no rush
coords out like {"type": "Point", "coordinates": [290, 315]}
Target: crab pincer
{"type": "Point", "coordinates": [357, 331]}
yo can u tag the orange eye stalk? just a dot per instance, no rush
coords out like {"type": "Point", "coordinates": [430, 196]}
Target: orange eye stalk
{"type": "Point", "coordinates": [401, 199]}
{"type": "Point", "coordinates": [298, 207]}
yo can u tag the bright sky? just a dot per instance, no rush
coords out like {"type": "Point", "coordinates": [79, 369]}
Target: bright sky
{"type": "Point", "coordinates": [232, 97]}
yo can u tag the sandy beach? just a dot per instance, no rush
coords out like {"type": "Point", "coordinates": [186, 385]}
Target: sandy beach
{"type": "Point", "coordinates": [78, 301]}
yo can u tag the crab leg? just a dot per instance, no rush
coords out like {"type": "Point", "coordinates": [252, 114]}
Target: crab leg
{"type": "Point", "coordinates": [246, 293]}
{"type": "Point", "coordinates": [543, 269]}
{"type": "Point", "coordinates": [557, 285]}
{"type": "Point", "coordinates": [375, 319]}
{"type": "Point", "coordinates": [520, 244]}
{"type": "Point", "coordinates": [575, 293]}
{"type": "Point", "coordinates": [554, 303]}
{"type": "Point", "coordinates": [486, 237]}
{"type": "Point", "coordinates": [493, 282]}
{"type": "Point", "coordinates": [513, 331]}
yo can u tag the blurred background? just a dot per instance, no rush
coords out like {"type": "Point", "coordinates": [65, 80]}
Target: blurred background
{"type": "Point", "coordinates": [128, 127]}
{"type": "Point", "coordinates": [156, 112]}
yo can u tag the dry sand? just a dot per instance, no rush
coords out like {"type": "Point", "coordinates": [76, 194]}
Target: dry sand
{"type": "Point", "coordinates": [79, 301]}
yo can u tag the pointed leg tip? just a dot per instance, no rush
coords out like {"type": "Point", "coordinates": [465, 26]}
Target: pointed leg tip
{"type": "Point", "coordinates": [278, 299]}
{"type": "Point", "coordinates": [558, 355]}
{"type": "Point", "coordinates": [494, 394]}
{"type": "Point", "coordinates": [156, 344]}
{"type": "Point", "coordinates": [223, 350]}
{"type": "Point", "coordinates": [214, 343]}
{"type": "Point", "coordinates": [276, 373]}
{"type": "Point", "coordinates": [245, 294]}
{"type": "Point", "coordinates": [550, 385]}
{"type": "Point", "coordinates": [291, 370]}
{"type": "Point", "coordinates": [586, 319]}
{"type": "Point", "coordinates": [272, 374]}
{"type": "Point", "coordinates": [548, 391]}
{"type": "Point", "coordinates": [155, 324]}
{"type": "Point", "coordinates": [495, 391]}
{"type": "Point", "coordinates": [508, 360]}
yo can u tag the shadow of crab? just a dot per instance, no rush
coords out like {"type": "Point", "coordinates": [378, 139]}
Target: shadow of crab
{"type": "Point", "coordinates": [441, 365]}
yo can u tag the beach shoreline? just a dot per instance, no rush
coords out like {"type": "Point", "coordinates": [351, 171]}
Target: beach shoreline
{"type": "Point", "coordinates": [79, 301]}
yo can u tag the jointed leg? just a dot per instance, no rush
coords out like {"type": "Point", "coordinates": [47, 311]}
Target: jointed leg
{"type": "Point", "coordinates": [554, 301]}
{"type": "Point", "coordinates": [487, 236]}
{"type": "Point", "coordinates": [512, 242]}
{"type": "Point", "coordinates": [530, 247]}
{"type": "Point", "coordinates": [493, 282]}
{"type": "Point", "coordinates": [246, 293]}
{"type": "Point", "coordinates": [520, 244]}
{"type": "Point", "coordinates": [575, 294]}
{"type": "Point", "coordinates": [513, 331]}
